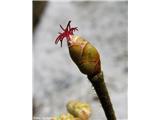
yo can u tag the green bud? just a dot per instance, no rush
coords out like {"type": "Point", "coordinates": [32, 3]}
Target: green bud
{"type": "Point", "coordinates": [79, 109]}
{"type": "Point", "coordinates": [85, 55]}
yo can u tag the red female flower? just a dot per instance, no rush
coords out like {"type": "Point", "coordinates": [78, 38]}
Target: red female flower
{"type": "Point", "coordinates": [67, 32]}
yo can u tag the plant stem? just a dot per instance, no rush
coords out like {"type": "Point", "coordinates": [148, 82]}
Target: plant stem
{"type": "Point", "coordinates": [103, 95]}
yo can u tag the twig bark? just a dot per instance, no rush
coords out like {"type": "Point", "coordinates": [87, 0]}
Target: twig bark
{"type": "Point", "coordinates": [103, 95]}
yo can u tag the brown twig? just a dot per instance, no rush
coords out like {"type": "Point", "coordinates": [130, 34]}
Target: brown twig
{"type": "Point", "coordinates": [103, 95]}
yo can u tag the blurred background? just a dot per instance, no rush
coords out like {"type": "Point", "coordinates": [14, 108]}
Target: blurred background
{"type": "Point", "coordinates": [56, 79]}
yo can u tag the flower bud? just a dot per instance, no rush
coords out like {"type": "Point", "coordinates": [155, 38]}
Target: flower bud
{"type": "Point", "coordinates": [85, 55]}
{"type": "Point", "coordinates": [81, 51]}
{"type": "Point", "coordinates": [79, 109]}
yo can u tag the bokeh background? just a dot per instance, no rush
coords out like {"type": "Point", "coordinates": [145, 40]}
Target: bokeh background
{"type": "Point", "coordinates": [56, 79]}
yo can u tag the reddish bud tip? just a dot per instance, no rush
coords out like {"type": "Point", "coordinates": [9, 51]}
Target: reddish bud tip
{"type": "Point", "coordinates": [67, 32]}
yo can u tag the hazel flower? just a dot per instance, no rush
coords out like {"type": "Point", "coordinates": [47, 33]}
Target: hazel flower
{"type": "Point", "coordinates": [84, 55]}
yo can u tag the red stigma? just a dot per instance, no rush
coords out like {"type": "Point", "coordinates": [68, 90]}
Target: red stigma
{"type": "Point", "coordinates": [66, 33]}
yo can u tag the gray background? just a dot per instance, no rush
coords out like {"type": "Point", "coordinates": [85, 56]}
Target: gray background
{"type": "Point", "coordinates": [56, 79]}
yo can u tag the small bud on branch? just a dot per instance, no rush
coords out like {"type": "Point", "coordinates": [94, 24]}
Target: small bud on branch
{"type": "Point", "coordinates": [81, 51]}
{"type": "Point", "coordinates": [79, 109]}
